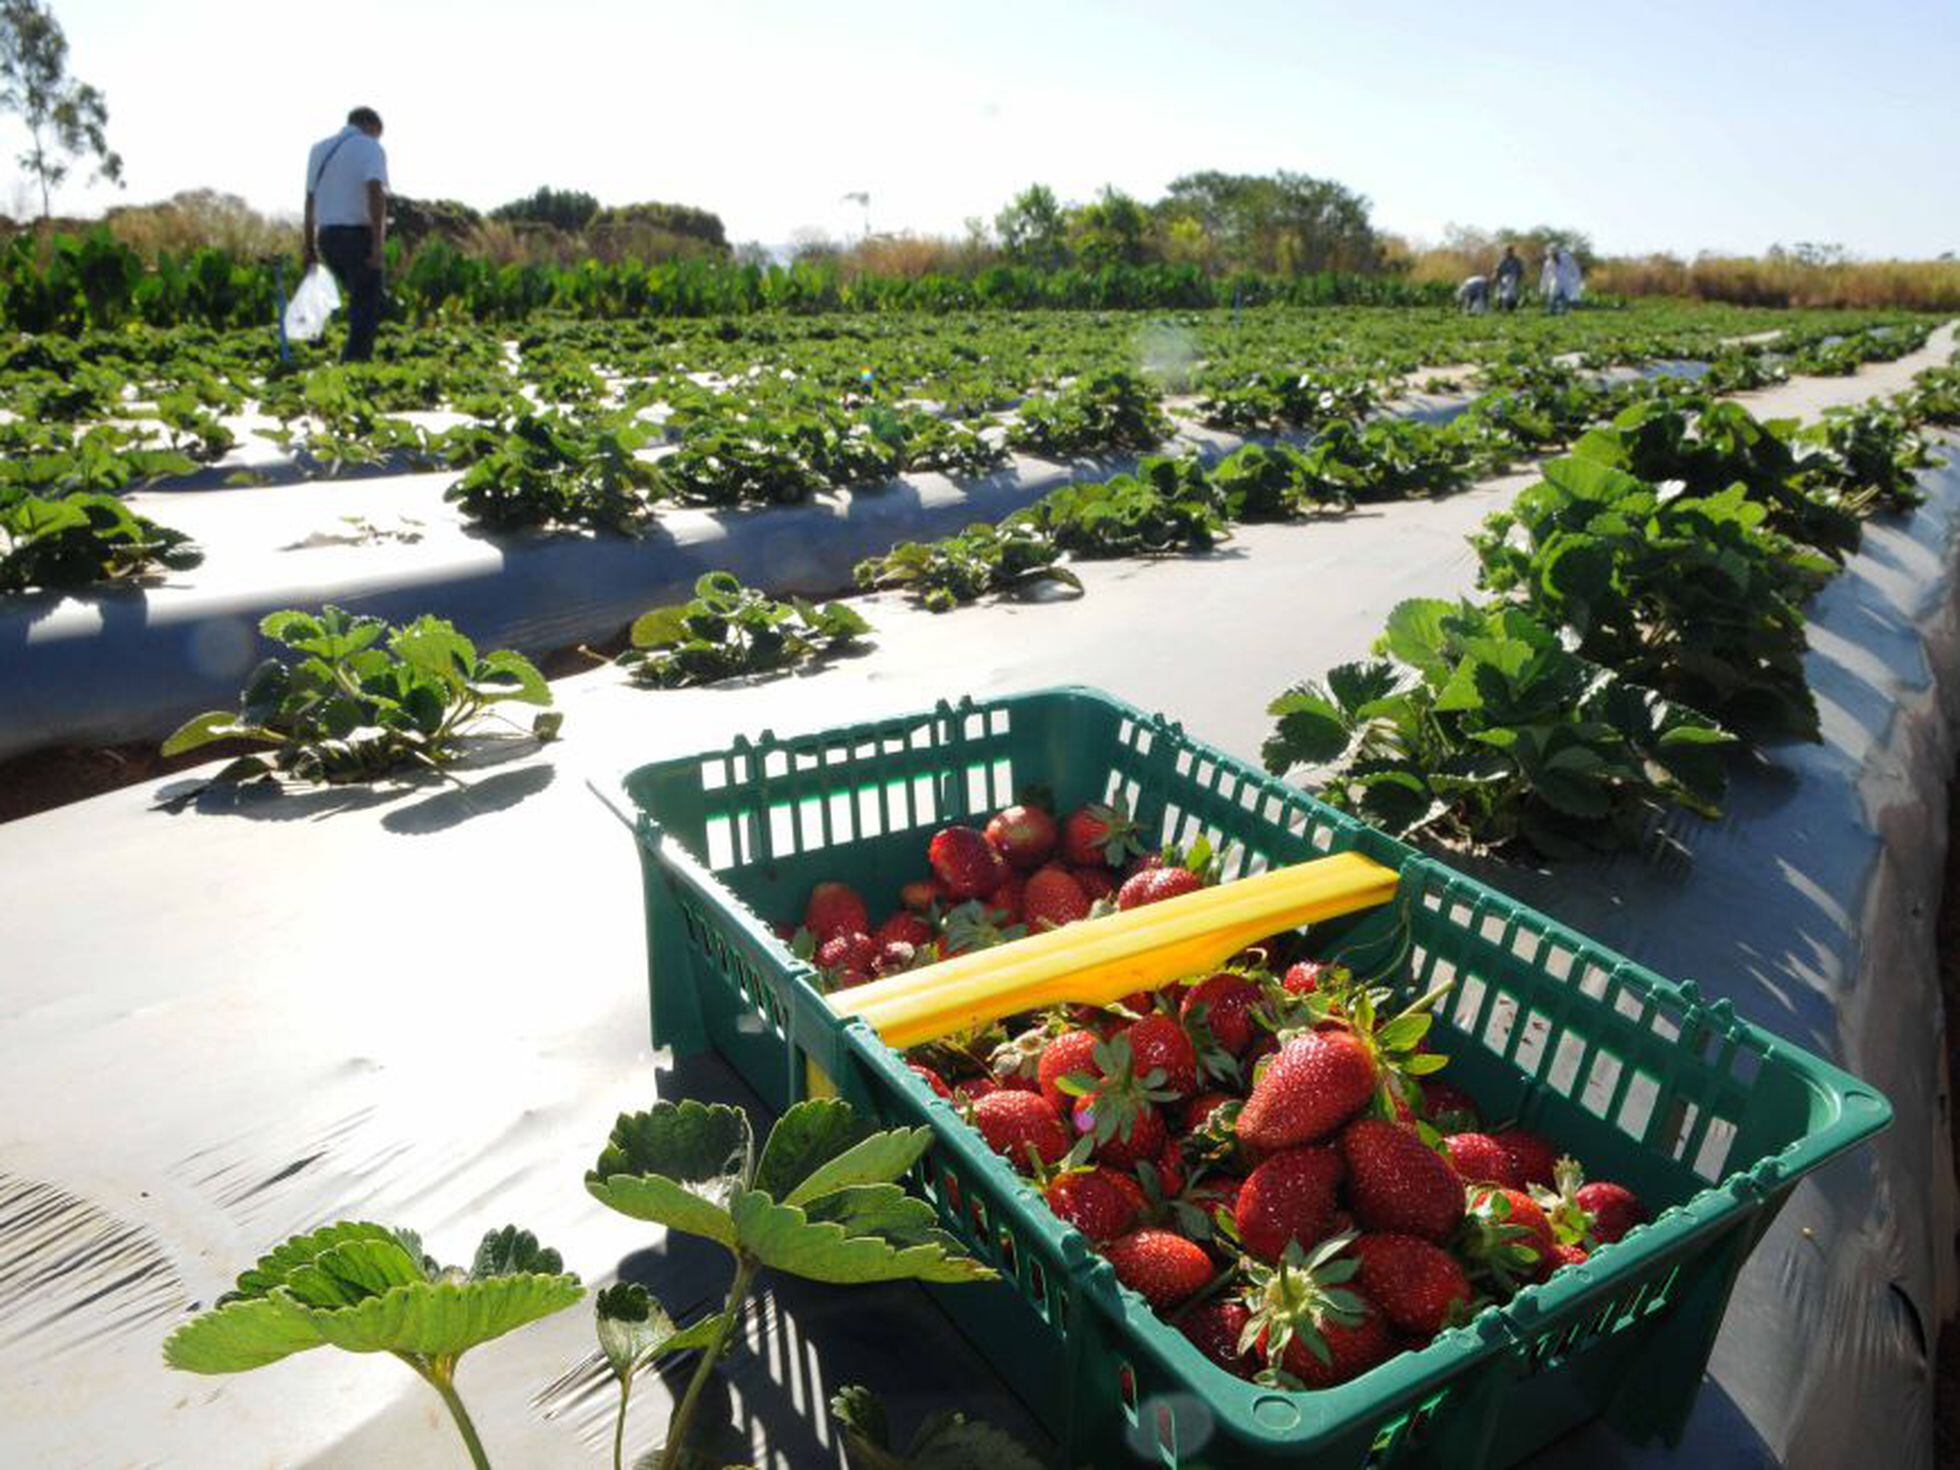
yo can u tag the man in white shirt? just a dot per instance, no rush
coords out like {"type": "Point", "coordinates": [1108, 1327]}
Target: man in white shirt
{"type": "Point", "coordinates": [347, 221]}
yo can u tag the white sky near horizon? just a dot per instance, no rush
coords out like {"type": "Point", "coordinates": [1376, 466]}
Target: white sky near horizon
{"type": "Point", "coordinates": [1724, 124]}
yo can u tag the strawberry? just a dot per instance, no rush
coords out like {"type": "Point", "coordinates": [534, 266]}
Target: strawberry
{"type": "Point", "coordinates": [1114, 1102]}
{"type": "Point", "coordinates": [855, 950]}
{"type": "Point", "coordinates": [1612, 1208]}
{"type": "Point", "coordinates": [1303, 978]}
{"type": "Point", "coordinates": [1201, 1107]}
{"type": "Point", "coordinates": [921, 895]}
{"type": "Point", "coordinates": [1536, 1160]}
{"type": "Point", "coordinates": [1288, 1198]}
{"type": "Point", "coordinates": [1397, 1184]}
{"type": "Point", "coordinates": [1159, 1265]}
{"type": "Point", "coordinates": [1568, 1255]}
{"type": "Point", "coordinates": [1052, 898]}
{"type": "Point", "coordinates": [1006, 897]}
{"type": "Point", "coordinates": [1509, 1239]}
{"type": "Point", "coordinates": [1099, 834]}
{"type": "Point", "coordinates": [1482, 1159]}
{"type": "Point", "coordinates": [1215, 1329]}
{"type": "Point", "coordinates": [1224, 1004]}
{"type": "Point", "coordinates": [1306, 1319]}
{"type": "Point", "coordinates": [974, 926]}
{"type": "Point", "coordinates": [1024, 835]}
{"type": "Point", "coordinates": [1448, 1108]}
{"type": "Point", "coordinates": [1096, 883]}
{"type": "Point", "coordinates": [846, 979]}
{"type": "Point", "coordinates": [1420, 1287]}
{"type": "Point", "coordinates": [1154, 885]}
{"type": "Point", "coordinates": [1071, 1052]}
{"type": "Point", "coordinates": [835, 908]}
{"type": "Point", "coordinates": [972, 1089]}
{"type": "Point", "coordinates": [1157, 1043]}
{"type": "Point", "coordinates": [1124, 1148]}
{"type": "Point", "coordinates": [907, 928]}
{"type": "Point", "coordinates": [1017, 1124]}
{"type": "Point", "coordinates": [932, 1079]}
{"type": "Point", "coordinates": [1101, 1203]}
{"type": "Point", "coordinates": [1170, 1168]}
{"type": "Point", "coordinates": [1313, 1085]}
{"type": "Point", "coordinates": [965, 862]}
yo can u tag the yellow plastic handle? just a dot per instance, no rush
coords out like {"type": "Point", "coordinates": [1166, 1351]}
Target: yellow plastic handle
{"type": "Point", "coordinates": [1108, 958]}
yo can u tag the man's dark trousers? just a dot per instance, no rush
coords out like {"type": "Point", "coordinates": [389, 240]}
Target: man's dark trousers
{"type": "Point", "coordinates": [346, 249]}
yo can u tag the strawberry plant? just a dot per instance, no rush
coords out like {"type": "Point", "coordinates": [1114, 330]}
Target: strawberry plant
{"type": "Point", "coordinates": [69, 542]}
{"type": "Point", "coordinates": [1876, 453]}
{"type": "Point", "coordinates": [1099, 414]}
{"type": "Point", "coordinates": [820, 1200]}
{"type": "Point", "coordinates": [738, 465]}
{"type": "Point", "coordinates": [946, 1441]}
{"type": "Point", "coordinates": [1480, 727]}
{"type": "Point", "coordinates": [966, 567]}
{"type": "Point", "coordinates": [1167, 505]}
{"type": "Point", "coordinates": [554, 471]}
{"type": "Point", "coordinates": [366, 1288]}
{"type": "Point", "coordinates": [1274, 483]}
{"type": "Point", "coordinates": [364, 699]}
{"type": "Point", "coordinates": [1691, 596]}
{"type": "Point", "coordinates": [1277, 399]}
{"type": "Point", "coordinates": [729, 630]}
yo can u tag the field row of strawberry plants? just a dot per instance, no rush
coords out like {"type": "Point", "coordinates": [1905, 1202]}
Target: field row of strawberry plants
{"type": "Point", "coordinates": [564, 430]}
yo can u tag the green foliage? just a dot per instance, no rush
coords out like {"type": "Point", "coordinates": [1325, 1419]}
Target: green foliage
{"type": "Point", "coordinates": [83, 539]}
{"type": "Point", "coordinates": [364, 699]}
{"type": "Point", "coordinates": [1275, 482]}
{"type": "Point", "coordinates": [554, 471]}
{"type": "Point", "coordinates": [946, 1441]}
{"type": "Point", "coordinates": [565, 209]}
{"type": "Point", "coordinates": [367, 1288]}
{"type": "Point", "coordinates": [1876, 455]}
{"type": "Point", "coordinates": [1099, 414]}
{"type": "Point", "coordinates": [1478, 726]}
{"type": "Point", "coordinates": [1689, 595]}
{"type": "Point", "coordinates": [65, 118]}
{"type": "Point", "coordinates": [821, 1200]}
{"type": "Point", "coordinates": [741, 466]}
{"type": "Point", "coordinates": [1278, 398]}
{"type": "Point", "coordinates": [729, 630]}
{"type": "Point", "coordinates": [965, 567]}
{"type": "Point", "coordinates": [1168, 505]}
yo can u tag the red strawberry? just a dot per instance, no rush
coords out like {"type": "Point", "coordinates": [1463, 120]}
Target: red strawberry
{"type": "Point", "coordinates": [1397, 1184]}
{"type": "Point", "coordinates": [1155, 885]}
{"type": "Point", "coordinates": [1018, 1123]}
{"type": "Point", "coordinates": [846, 979]}
{"type": "Point", "coordinates": [1096, 883]}
{"type": "Point", "coordinates": [919, 896]}
{"type": "Point", "coordinates": [1101, 1203]}
{"type": "Point", "coordinates": [933, 1079]}
{"type": "Point", "coordinates": [852, 951]}
{"type": "Point", "coordinates": [1448, 1108]}
{"type": "Point", "coordinates": [1313, 1085]}
{"type": "Point", "coordinates": [1157, 1043]}
{"type": "Point", "coordinates": [1025, 836]}
{"type": "Point", "coordinates": [1052, 898]}
{"type": "Point", "coordinates": [1006, 898]}
{"type": "Point", "coordinates": [835, 908]}
{"type": "Point", "coordinates": [1161, 1266]}
{"type": "Point", "coordinates": [1145, 1139]}
{"type": "Point", "coordinates": [1228, 1000]}
{"type": "Point", "coordinates": [1482, 1159]}
{"type": "Point", "coordinates": [1421, 1288]}
{"type": "Point", "coordinates": [1612, 1208]}
{"type": "Point", "coordinates": [1308, 1319]}
{"type": "Point", "coordinates": [1071, 1053]}
{"type": "Point", "coordinates": [1509, 1236]}
{"type": "Point", "coordinates": [1099, 834]}
{"type": "Point", "coordinates": [972, 1089]}
{"type": "Point", "coordinates": [1215, 1329]}
{"type": "Point", "coordinates": [1303, 978]}
{"type": "Point", "coordinates": [1170, 1168]}
{"type": "Point", "coordinates": [965, 862]}
{"type": "Point", "coordinates": [1201, 1107]}
{"type": "Point", "coordinates": [1290, 1197]}
{"type": "Point", "coordinates": [907, 928]}
{"type": "Point", "coordinates": [1536, 1160]}
{"type": "Point", "coordinates": [1568, 1255]}
{"type": "Point", "coordinates": [894, 958]}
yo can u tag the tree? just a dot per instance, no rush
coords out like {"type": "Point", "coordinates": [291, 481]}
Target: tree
{"type": "Point", "coordinates": [567, 209]}
{"type": "Point", "coordinates": [65, 118]}
{"type": "Point", "coordinates": [1109, 230]}
{"type": "Point", "coordinates": [1286, 223]}
{"type": "Point", "coordinates": [1032, 228]}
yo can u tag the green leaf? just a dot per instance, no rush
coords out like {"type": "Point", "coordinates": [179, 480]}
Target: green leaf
{"type": "Point", "coordinates": [661, 628]}
{"type": "Point", "coordinates": [205, 729]}
{"type": "Point", "coordinates": [505, 674]}
{"type": "Point", "coordinates": [510, 1251]}
{"type": "Point", "coordinates": [1415, 635]}
{"type": "Point", "coordinates": [679, 1165]}
{"type": "Point", "coordinates": [820, 1145]}
{"type": "Point", "coordinates": [434, 647]}
{"type": "Point", "coordinates": [237, 1336]}
{"type": "Point", "coordinates": [634, 1329]}
{"type": "Point", "coordinates": [945, 1441]}
{"type": "Point", "coordinates": [278, 1265]}
{"type": "Point", "coordinates": [442, 1319]}
{"type": "Point", "coordinates": [855, 1250]}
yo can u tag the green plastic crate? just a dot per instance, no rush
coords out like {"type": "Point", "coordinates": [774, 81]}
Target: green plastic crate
{"type": "Point", "coordinates": [1711, 1120]}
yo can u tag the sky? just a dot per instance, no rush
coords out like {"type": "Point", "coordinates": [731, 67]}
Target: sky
{"type": "Point", "coordinates": [1727, 125]}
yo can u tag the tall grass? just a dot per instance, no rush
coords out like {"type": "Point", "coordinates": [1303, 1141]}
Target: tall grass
{"type": "Point", "coordinates": [1782, 280]}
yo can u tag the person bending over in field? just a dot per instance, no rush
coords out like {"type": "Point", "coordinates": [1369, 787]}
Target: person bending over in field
{"type": "Point", "coordinates": [1510, 279]}
{"type": "Point", "coordinates": [1474, 295]}
{"type": "Point", "coordinates": [347, 221]}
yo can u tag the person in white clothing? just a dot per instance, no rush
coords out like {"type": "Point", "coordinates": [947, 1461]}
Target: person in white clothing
{"type": "Point", "coordinates": [1548, 281]}
{"type": "Point", "coordinates": [1570, 282]}
{"type": "Point", "coordinates": [347, 221]}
